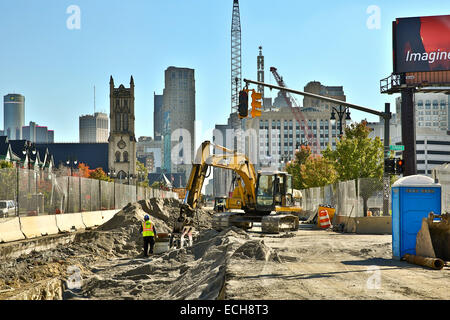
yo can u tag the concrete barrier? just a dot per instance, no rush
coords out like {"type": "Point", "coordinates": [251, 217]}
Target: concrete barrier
{"type": "Point", "coordinates": [374, 225]}
{"type": "Point", "coordinates": [10, 230]}
{"type": "Point", "coordinates": [69, 222]}
{"type": "Point", "coordinates": [92, 219]}
{"type": "Point", "coordinates": [37, 226]}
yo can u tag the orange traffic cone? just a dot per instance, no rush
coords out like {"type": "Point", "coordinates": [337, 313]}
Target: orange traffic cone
{"type": "Point", "coordinates": [324, 219]}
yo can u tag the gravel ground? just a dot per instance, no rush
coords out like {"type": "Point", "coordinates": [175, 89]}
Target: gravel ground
{"type": "Point", "coordinates": [231, 264]}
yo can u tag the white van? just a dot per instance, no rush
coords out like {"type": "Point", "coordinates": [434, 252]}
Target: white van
{"type": "Point", "coordinates": [7, 208]}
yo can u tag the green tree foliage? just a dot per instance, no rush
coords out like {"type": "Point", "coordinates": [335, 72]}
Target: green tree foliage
{"type": "Point", "coordinates": [294, 167]}
{"type": "Point", "coordinates": [143, 174]}
{"type": "Point", "coordinates": [6, 164]}
{"type": "Point", "coordinates": [317, 172]}
{"type": "Point", "coordinates": [99, 174]}
{"type": "Point", "coordinates": [358, 156]}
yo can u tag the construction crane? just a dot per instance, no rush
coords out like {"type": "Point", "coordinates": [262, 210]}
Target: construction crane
{"type": "Point", "coordinates": [299, 116]}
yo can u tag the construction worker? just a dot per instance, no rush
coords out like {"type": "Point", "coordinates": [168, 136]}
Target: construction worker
{"type": "Point", "coordinates": [148, 231]}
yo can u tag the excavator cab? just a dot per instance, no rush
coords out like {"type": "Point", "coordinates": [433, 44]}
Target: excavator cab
{"type": "Point", "coordinates": [273, 189]}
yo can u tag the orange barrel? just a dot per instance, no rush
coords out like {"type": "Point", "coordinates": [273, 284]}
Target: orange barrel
{"type": "Point", "coordinates": [324, 219]}
{"type": "Point", "coordinates": [331, 211]}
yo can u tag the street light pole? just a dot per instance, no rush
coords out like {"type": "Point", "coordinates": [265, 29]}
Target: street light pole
{"type": "Point", "coordinates": [341, 112]}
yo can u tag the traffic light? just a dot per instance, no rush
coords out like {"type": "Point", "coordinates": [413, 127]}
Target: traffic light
{"type": "Point", "coordinates": [256, 104]}
{"type": "Point", "coordinates": [399, 166]}
{"type": "Point", "coordinates": [389, 166]}
{"type": "Point", "coordinates": [243, 104]}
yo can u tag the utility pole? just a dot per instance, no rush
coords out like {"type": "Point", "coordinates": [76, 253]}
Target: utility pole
{"type": "Point", "coordinates": [408, 119]}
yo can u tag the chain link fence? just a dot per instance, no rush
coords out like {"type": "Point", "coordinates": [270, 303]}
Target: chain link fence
{"type": "Point", "coordinates": [352, 197]}
{"type": "Point", "coordinates": [27, 192]}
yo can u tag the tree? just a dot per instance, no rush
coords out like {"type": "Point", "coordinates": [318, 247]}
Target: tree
{"type": "Point", "coordinates": [99, 174]}
{"type": "Point", "coordinates": [317, 172]}
{"type": "Point", "coordinates": [6, 164]}
{"type": "Point", "coordinates": [83, 170]}
{"type": "Point", "coordinates": [358, 156]}
{"type": "Point", "coordinates": [294, 167]}
{"type": "Point", "coordinates": [142, 172]}
{"type": "Point", "coordinates": [157, 185]}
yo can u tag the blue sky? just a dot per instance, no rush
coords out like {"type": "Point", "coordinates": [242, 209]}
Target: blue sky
{"type": "Point", "coordinates": [56, 68]}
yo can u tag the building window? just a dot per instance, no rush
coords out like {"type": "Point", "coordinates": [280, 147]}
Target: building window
{"type": "Point", "coordinates": [125, 156]}
{"type": "Point", "coordinates": [118, 116]}
{"type": "Point", "coordinates": [117, 156]}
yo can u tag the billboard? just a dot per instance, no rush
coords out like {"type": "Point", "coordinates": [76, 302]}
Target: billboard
{"type": "Point", "coordinates": [421, 44]}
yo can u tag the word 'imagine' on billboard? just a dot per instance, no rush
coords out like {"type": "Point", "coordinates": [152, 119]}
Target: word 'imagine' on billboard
{"type": "Point", "coordinates": [421, 44]}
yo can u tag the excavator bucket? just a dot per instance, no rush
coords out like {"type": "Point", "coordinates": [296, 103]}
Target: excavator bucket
{"type": "Point", "coordinates": [279, 223]}
{"type": "Point", "coordinates": [433, 239]}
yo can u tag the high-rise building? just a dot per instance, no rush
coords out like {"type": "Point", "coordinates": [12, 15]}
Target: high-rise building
{"type": "Point", "coordinates": [37, 134]}
{"type": "Point", "coordinates": [94, 128]}
{"type": "Point", "coordinates": [432, 130]}
{"type": "Point", "coordinates": [178, 112]}
{"type": "Point", "coordinates": [13, 115]}
{"type": "Point", "coordinates": [150, 153]}
{"type": "Point", "coordinates": [122, 140]}
{"type": "Point", "coordinates": [157, 114]}
{"type": "Point", "coordinates": [432, 110]}
{"type": "Point", "coordinates": [315, 87]}
{"type": "Point", "coordinates": [272, 139]}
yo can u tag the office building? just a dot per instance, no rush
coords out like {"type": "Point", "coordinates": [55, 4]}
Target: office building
{"type": "Point", "coordinates": [178, 112]}
{"type": "Point", "coordinates": [150, 153]}
{"type": "Point", "coordinates": [157, 114]}
{"type": "Point", "coordinates": [94, 128]}
{"type": "Point", "coordinates": [13, 115]}
{"type": "Point", "coordinates": [37, 134]}
{"type": "Point", "coordinates": [315, 87]}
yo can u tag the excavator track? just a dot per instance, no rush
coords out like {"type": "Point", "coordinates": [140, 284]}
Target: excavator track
{"type": "Point", "coordinates": [275, 223]}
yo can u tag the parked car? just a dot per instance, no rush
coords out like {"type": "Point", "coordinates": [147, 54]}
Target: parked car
{"type": "Point", "coordinates": [7, 208]}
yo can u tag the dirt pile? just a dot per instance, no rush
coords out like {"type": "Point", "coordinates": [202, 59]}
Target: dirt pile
{"type": "Point", "coordinates": [197, 272]}
{"type": "Point", "coordinates": [116, 239]}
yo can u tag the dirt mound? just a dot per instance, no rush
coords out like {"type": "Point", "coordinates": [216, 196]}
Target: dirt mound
{"type": "Point", "coordinates": [118, 238]}
{"type": "Point", "coordinates": [197, 272]}
{"type": "Point", "coordinates": [255, 249]}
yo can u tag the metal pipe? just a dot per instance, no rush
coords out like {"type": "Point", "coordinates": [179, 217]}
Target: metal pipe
{"type": "Point", "coordinates": [433, 263]}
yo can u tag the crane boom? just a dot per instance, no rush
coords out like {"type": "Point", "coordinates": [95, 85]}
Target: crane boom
{"type": "Point", "coordinates": [299, 116]}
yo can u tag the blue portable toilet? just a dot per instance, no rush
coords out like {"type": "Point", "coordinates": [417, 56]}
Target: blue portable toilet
{"type": "Point", "coordinates": [413, 198]}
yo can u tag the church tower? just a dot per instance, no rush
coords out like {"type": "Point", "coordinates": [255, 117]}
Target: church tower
{"type": "Point", "coordinates": [122, 140]}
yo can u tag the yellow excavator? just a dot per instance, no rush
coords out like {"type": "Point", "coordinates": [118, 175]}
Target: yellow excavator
{"type": "Point", "coordinates": [264, 197]}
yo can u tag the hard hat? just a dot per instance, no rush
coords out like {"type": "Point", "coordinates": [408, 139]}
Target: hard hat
{"type": "Point", "coordinates": [146, 217]}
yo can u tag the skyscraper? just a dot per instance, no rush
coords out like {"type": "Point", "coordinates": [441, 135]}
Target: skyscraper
{"type": "Point", "coordinates": [157, 115]}
{"type": "Point", "coordinates": [37, 134]}
{"type": "Point", "coordinates": [13, 115]}
{"type": "Point", "coordinates": [94, 128]}
{"type": "Point", "coordinates": [178, 112]}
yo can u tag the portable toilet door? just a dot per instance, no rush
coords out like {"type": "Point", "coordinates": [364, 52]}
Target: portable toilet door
{"type": "Point", "coordinates": [413, 198]}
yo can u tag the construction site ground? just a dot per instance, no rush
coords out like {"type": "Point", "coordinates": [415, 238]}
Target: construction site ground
{"type": "Point", "coordinates": [107, 263]}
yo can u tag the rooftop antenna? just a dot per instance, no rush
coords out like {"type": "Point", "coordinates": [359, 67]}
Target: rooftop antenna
{"type": "Point", "coordinates": [94, 100]}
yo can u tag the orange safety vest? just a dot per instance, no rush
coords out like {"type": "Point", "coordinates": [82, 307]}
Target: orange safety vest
{"type": "Point", "coordinates": [147, 229]}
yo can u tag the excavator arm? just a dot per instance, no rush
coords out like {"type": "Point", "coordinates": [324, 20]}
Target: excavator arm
{"type": "Point", "coordinates": [229, 160]}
